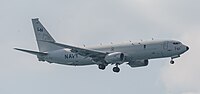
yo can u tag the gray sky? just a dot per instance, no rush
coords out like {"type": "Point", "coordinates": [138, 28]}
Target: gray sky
{"type": "Point", "coordinates": [91, 22]}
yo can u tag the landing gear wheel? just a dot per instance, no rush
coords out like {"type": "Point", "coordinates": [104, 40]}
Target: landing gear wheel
{"type": "Point", "coordinates": [172, 62]}
{"type": "Point", "coordinates": [116, 69]}
{"type": "Point", "coordinates": [102, 67]}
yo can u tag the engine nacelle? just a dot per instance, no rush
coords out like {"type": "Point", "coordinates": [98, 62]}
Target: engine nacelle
{"type": "Point", "coordinates": [138, 63]}
{"type": "Point", "coordinates": [115, 57]}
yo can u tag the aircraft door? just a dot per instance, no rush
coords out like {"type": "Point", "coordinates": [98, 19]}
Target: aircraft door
{"type": "Point", "coordinates": [165, 45]}
{"type": "Point", "coordinates": [166, 49]}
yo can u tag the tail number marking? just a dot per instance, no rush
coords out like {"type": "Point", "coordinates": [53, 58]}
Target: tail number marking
{"type": "Point", "coordinates": [40, 29]}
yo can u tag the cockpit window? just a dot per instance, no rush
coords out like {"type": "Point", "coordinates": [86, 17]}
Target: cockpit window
{"type": "Point", "coordinates": [176, 43]}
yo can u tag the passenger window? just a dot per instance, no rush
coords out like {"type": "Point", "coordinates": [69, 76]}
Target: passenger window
{"type": "Point", "coordinates": [145, 46]}
{"type": "Point", "coordinates": [112, 48]}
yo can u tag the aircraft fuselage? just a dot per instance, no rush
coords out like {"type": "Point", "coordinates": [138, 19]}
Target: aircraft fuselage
{"type": "Point", "coordinates": [133, 51]}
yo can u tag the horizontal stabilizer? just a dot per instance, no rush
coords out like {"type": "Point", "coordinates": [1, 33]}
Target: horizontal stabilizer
{"type": "Point", "coordinates": [31, 52]}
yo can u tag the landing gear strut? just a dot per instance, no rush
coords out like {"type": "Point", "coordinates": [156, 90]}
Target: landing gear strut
{"type": "Point", "coordinates": [172, 61]}
{"type": "Point", "coordinates": [116, 69]}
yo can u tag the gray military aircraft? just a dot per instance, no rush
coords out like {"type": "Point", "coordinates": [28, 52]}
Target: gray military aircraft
{"type": "Point", "coordinates": [135, 54]}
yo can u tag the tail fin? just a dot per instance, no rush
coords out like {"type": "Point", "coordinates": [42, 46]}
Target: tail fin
{"type": "Point", "coordinates": [43, 37]}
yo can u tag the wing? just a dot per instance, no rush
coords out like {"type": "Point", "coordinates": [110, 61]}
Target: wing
{"type": "Point", "coordinates": [97, 56]}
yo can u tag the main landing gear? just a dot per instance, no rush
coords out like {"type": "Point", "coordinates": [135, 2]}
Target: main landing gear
{"type": "Point", "coordinates": [101, 66]}
{"type": "Point", "coordinates": [116, 69]}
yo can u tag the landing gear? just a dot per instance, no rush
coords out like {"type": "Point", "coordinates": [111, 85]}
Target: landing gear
{"type": "Point", "coordinates": [173, 57]}
{"type": "Point", "coordinates": [101, 66]}
{"type": "Point", "coordinates": [116, 69]}
{"type": "Point", "coordinates": [172, 61]}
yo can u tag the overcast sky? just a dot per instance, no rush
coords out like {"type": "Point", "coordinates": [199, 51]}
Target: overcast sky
{"type": "Point", "coordinates": [92, 22]}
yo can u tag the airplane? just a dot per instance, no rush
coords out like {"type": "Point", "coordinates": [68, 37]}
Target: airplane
{"type": "Point", "coordinates": [135, 54]}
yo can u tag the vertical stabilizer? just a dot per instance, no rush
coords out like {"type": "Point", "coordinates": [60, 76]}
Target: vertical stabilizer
{"type": "Point", "coordinates": [43, 37]}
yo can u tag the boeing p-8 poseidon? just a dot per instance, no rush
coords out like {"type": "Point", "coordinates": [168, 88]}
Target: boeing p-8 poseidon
{"type": "Point", "coordinates": [134, 54]}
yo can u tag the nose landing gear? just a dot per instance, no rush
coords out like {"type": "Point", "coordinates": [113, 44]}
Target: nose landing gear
{"type": "Point", "coordinates": [172, 61]}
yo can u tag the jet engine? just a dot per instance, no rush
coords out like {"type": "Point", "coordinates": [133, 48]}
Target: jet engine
{"type": "Point", "coordinates": [115, 57]}
{"type": "Point", "coordinates": [138, 63]}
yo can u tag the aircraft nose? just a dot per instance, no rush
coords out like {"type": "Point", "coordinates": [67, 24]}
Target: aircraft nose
{"type": "Point", "coordinates": [187, 48]}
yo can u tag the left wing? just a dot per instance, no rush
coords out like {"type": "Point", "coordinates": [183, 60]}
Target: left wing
{"type": "Point", "coordinates": [94, 54]}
